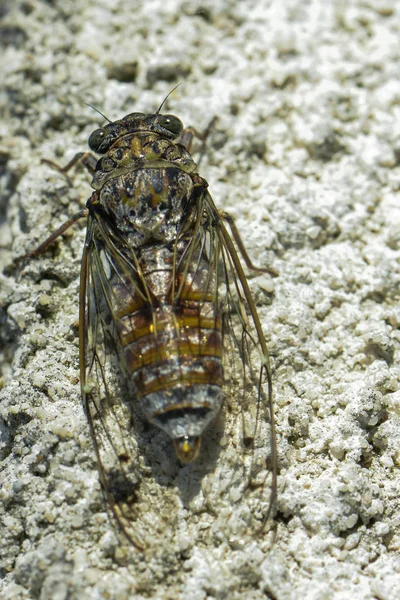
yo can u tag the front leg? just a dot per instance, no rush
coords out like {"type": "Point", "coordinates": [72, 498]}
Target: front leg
{"type": "Point", "coordinates": [187, 135]}
{"type": "Point", "coordinates": [88, 160]}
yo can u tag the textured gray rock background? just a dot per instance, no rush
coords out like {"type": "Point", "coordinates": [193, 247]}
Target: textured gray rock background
{"type": "Point", "coordinates": [306, 156]}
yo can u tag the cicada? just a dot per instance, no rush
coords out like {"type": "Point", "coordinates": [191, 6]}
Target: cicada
{"type": "Point", "coordinates": [168, 329]}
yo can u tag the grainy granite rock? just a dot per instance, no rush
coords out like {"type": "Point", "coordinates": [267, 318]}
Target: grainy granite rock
{"type": "Point", "coordinates": [306, 157]}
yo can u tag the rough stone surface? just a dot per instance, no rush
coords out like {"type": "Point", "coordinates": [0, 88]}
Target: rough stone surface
{"type": "Point", "coordinates": [306, 156]}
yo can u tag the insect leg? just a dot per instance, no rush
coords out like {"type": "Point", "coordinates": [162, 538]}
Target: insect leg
{"type": "Point", "coordinates": [189, 133]}
{"type": "Point", "coordinates": [242, 249]}
{"type": "Point", "coordinates": [44, 245]}
{"type": "Point", "coordinates": [86, 158]}
{"type": "Point", "coordinates": [89, 161]}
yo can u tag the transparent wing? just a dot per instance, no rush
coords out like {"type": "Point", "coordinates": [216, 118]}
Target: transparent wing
{"type": "Point", "coordinates": [248, 386]}
{"type": "Point", "coordinates": [106, 276]}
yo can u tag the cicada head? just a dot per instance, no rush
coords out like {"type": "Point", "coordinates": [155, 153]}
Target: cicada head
{"type": "Point", "coordinates": [167, 126]}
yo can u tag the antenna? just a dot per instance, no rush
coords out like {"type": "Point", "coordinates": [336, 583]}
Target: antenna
{"type": "Point", "coordinates": [166, 98]}
{"type": "Point", "coordinates": [100, 113]}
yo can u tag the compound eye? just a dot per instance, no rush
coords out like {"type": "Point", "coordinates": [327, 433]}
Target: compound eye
{"type": "Point", "coordinates": [171, 123]}
{"type": "Point", "coordinates": [96, 139]}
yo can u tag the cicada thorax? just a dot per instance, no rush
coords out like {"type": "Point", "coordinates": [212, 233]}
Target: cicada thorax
{"type": "Point", "coordinates": [164, 313]}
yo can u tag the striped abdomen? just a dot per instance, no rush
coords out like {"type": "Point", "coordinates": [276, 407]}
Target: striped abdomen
{"type": "Point", "coordinates": [171, 339]}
